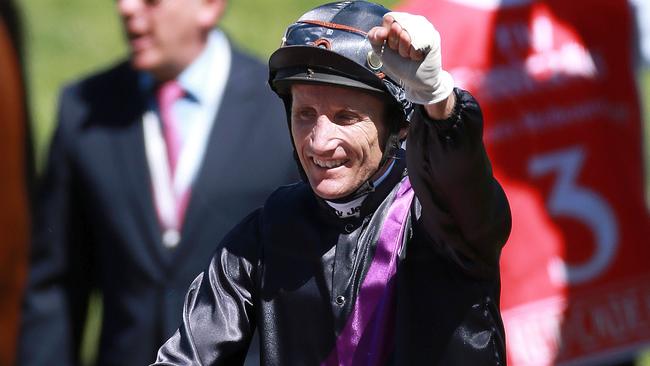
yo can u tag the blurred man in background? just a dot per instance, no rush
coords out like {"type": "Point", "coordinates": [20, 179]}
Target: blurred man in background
{"type": "Point", "coordinates": [15, 164]}
{"type": "Point", "coordinates": [139, 186]}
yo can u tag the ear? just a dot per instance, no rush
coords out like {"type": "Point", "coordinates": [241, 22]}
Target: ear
{"type": "Point", "coordinates": [211, 12]}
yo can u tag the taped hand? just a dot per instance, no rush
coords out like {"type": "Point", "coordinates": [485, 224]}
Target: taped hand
{"type": "Point", "coordinates": [409, 47]}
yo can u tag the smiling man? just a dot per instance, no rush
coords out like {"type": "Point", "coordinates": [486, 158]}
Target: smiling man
{"type": "Point", "coordinates": [383, 255]}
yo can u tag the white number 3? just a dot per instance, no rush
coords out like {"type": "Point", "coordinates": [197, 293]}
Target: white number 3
{"type": "Point", "coordinates": [570, 200]}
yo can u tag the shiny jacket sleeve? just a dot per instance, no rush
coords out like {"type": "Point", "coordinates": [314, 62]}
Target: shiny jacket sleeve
{"type": "Point", "coordinates": [218, 315]}
{"type": "Point", "coordinates": [464, 210]}
{"type": "Point", "coordinates": [60, 273]}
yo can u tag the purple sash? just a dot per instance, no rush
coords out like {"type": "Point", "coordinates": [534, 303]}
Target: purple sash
{"type": "Point", "coordinates": [367, 338]}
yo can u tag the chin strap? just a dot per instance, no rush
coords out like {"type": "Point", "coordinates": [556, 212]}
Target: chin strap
{"type": "Point", "coordinates": [350, 206]}
{"type": "Point", "coordinates": [354, 200]}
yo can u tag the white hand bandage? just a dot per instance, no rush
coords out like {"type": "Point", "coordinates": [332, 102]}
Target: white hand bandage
{"type": "Point", "coordinates": [425, 82]}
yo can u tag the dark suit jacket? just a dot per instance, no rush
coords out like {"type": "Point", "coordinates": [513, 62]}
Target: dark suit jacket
{"type": "Point", "coordinates": [96, 224]}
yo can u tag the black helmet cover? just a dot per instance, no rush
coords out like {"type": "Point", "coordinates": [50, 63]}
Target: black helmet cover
{"type": "Point", "coordinates": [330, 45]}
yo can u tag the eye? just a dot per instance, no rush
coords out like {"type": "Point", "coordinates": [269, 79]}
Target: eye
{"type": "Point", "coordinates": [303, 114]}
{"type": "Point", "coordinates": [152, 2]}
{"type": "Point", "coordinates": [346, 118]}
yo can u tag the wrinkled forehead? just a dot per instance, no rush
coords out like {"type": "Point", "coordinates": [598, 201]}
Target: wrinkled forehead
{"type": "Point", "coordinates": [334, 98]}
{"type": "Point", "coordinates": [325, 93]}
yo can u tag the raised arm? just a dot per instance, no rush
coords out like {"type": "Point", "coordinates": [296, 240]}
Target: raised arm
{"type": "Point", "coordinates": [463, 207]}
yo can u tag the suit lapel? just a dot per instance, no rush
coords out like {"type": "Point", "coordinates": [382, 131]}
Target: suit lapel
{"type": "Point", "coordinates": [130, 150]}
{"type": "Point", "coordinates": [209, 180]}
{"type": "Point", "coordinates": [133, 158]}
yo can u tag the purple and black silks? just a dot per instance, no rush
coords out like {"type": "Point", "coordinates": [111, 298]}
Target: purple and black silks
{"type": "Point", "coordinates": [413, 281]}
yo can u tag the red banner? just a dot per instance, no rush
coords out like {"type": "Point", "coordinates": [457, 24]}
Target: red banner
{"type": "Point", "coordinates": [563, 128]}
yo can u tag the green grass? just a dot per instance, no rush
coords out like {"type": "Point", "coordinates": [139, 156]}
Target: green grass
{"type": "Point", "coordinates": [64, 40]}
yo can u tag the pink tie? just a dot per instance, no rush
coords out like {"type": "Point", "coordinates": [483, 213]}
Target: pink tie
{"type": "Point", "coordinates": [168, 93]}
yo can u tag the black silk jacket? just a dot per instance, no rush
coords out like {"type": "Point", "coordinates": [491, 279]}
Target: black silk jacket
{"type": "Point", "coordinates": [293, 269]}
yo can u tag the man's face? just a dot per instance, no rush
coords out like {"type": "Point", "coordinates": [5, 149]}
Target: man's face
{"type": "Point", "coordinates": [337, 132]}
{"type": "Point", "coordinates": [164, 36]}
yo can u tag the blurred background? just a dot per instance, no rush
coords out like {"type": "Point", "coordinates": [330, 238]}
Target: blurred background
{"type": "Point", "coordinates": [68, 39]}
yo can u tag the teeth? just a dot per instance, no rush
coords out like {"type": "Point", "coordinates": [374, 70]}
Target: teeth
{"type": "Point", "coordinates": [329, 163]}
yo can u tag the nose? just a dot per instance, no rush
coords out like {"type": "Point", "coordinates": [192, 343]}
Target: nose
{"type": "Point", "coordinates": [128, 7]}
{"type": "Point", "coordinates": [324, 135]}
{"type": "Point", "coordinates": [134, 15]}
